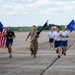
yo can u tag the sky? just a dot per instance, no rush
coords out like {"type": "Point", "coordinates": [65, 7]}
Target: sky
{"type": "Point", "coordinates": [16, 13]}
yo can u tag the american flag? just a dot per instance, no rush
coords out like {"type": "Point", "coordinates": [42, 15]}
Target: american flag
{"type": "Point", "coordinates": [2, 36]}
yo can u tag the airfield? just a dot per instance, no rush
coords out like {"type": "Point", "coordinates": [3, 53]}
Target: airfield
{"type": "Point", "coordinates": [46, 61]}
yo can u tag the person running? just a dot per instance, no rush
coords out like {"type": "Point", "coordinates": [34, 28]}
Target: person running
{"type": "Point", "coordinates": [10, 36]}
{"type": "Point", "coordinates": [57, 42]}
{"type": "Point", "coordinates": [51, 40]}
{"type": "Point", "coordinates": [64, 36]}
{"type": "Point", "coordinates": [34, 41]}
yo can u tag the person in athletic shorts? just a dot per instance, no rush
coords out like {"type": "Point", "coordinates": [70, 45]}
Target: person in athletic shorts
{"type": "Point", "coordinates": [51, 40]}
{"type": "Point", "coordinates": [64, 36]}
{"type": "Point", "coordinates": [10, 36]}
{"type": "Point", "coordinates": [57, 42]}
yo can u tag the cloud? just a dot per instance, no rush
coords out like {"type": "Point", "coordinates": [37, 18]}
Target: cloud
{"type": "Point", "coordinates": [8, 6]}
{"type": "Point", "coordinates": [41, 2]}
{"type": "Point", "coordinates": [1, 1]}
{"type": "Point", "coordinates": [47, 7]}
{"type": "Point", "coordinates": [10, 13]}
{"type": "Point", "coordinates": [22, 1]}
{"type": "Point", "coordinates": [59, 7]}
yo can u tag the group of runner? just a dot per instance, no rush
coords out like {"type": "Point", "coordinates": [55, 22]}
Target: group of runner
{"type": "Point", "coordinates": [59, 39]}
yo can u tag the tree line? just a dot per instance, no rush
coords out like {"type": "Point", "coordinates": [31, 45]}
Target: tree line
{"type": "Point", "coordinates": [26, 28]}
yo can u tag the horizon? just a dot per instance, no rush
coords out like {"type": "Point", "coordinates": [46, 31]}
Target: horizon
{"type": "Point", "coordinates": [37, 25]}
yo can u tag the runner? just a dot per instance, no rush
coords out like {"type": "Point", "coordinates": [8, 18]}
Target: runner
{"type": "Point", "coordinates": [34, 41]}
{"type": "Point", "coordinates": [51, 40]}
{"type": "Point", "coordinates": [64, 36]}
{"type": "Point", "coordinates": [10, 36]}
{"type": "Point", "coordinates": [57, 41]}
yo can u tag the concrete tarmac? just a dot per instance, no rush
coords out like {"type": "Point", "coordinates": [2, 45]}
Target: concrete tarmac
{"type": "Point", "coordinates": [23, 63]}
{"type": "Point", "coordinates": [65, 65]}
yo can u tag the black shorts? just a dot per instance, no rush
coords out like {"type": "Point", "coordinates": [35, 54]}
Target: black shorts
{"type": "Point", "coordinates": [57, 44]}
{"type": "Point", "coordinates": [51, 40]}
{"type": "Point", "coordinates": [64, 43]}
{"type": "Point", "coordinates": [8, 43]}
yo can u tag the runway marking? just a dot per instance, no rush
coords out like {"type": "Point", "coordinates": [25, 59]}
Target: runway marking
{"type": "Point", "coordinates": [54, 61]}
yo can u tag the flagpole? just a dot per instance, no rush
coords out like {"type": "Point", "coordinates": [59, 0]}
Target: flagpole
{"type": "Point", "coordinates": [30, 42]}
{"type": "Point", "coordinates": [32, 39]}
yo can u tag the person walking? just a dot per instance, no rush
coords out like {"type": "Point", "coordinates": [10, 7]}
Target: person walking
{"type": "Point", "coordinates": [33, 41]}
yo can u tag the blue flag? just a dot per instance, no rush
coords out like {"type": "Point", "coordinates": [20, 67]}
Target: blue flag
{"type": "Point", "coordinates": [74, 25]}
{"type": "Point", "coordinates": [1, 27]}
{"type": "Point", "coordinates": [71, 26]}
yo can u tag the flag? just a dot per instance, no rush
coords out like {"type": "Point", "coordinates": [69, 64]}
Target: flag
{"type": "Point", "coordinates": [1, 27]}
{"type": "Point", "coordinates": [70, 26]}
{"type": "Point", "coordinates": [2, 36]}
{"type": "Point", "coordinates": [42, 28]}
{"type": "Point", "coordinates": [74, 25]}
